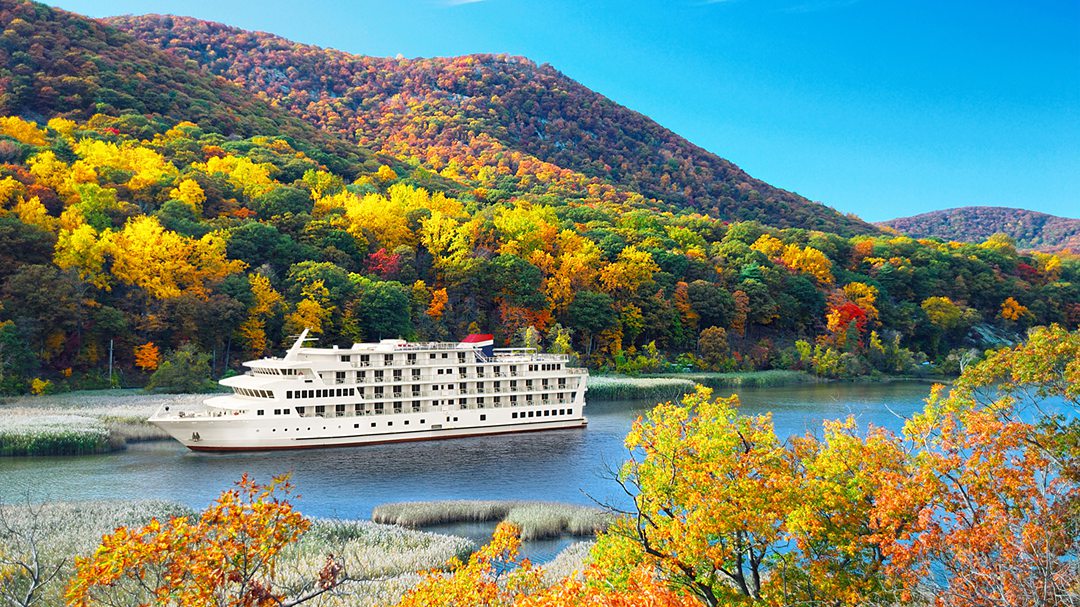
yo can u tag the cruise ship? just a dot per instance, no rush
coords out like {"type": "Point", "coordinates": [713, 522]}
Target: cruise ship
{"type": "Point", "coordinates": [383, 392]}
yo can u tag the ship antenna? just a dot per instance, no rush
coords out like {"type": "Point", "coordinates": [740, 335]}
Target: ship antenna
{"type": "Point", "coordinates": [295, 349]}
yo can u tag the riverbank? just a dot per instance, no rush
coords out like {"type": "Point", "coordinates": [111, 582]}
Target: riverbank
{"type": "Point", "coordinates": [82, 422]}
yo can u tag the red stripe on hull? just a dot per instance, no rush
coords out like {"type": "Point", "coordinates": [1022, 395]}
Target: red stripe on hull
{"type": "Point", "coordinates": [380, 442]}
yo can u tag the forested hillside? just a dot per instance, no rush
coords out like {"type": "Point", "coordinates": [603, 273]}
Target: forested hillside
{"type": "Point", "coordinates": [502, 125]}
{"type": "Point", "coordinates": [1030, 229]}
{"type": "Point", "coordinates": [184, 236]}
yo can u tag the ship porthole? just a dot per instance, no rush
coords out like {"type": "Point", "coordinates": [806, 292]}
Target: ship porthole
{"type": "Point", "coordinates": [166, 407]}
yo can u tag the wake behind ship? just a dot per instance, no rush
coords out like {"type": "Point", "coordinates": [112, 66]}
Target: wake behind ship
{"type": "Point", "coordinates": [383, 392]}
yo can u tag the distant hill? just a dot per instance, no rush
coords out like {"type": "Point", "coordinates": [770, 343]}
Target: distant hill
{"type": "Point", "coordinates": [502, 124]}
{"type": "Point", "coordinates": [1030, 229]}
{"type": "Point", "coordinates": [56, 63]}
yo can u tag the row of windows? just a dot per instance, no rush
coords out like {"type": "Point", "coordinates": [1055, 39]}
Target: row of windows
{"type": "Point", "coordinates": [276, 411]}
{"type": "Point", "coordinates": [254, 393]}
{"type": "Point", "coordinates": [325, 393]}
{"type": "Point", "coordinates": [545, 413]}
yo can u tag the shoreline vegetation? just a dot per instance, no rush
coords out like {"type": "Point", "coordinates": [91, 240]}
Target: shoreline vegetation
{"type": "Point", "coordinates": [384, 558]}
{"type": "Point", "coordinates": [83, 422]}
{"type": "Point", "coordinates": [89, 422]}
{"type": "Point", "coordinates": [537, 520]}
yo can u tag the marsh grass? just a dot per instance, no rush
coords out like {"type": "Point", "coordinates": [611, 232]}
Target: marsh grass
{"type": "Point", "coordinates": [78, 423]}
{"type": "Point", "coordinates": [536, 519]}
{"type": "Point", "coordinates": [754, 379]}
{"type": "Point", "coordinates": [53, 435]}
{"type": "Point", "coordinates": [613, 387]}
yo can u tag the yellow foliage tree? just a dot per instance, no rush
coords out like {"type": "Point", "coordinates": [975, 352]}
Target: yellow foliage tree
{"type": "Point", "coordinates": [386, 173]}
{"type": "Point", "coordinates": [494, 576]}
{"type": "Point", "coordinates": [147, 166]}
{"type": "Point", "coordinates": [251, 177]}
{"type": "Point", "coordinates": [267, 302]}
{"type": "Point", "coordinates": [84, 249]}
{"type": "Point", "coordinates": [21, 130]}
{"type": "Point", "coordinates": [189, 192]}
{"type": "Point", "coordinates": [629, 271]}
{"type": "Point", "coordinates": [166, 264]}
{"type": "Point", "coordinates": [808, 260]}
{"type": "Point", "coordinates": [31, 211]}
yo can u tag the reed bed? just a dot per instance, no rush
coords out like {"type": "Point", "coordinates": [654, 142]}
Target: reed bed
{"type": "Point", "coordinates": [612, 387]}
{"type": "Point", "coordinates": [536, 519]}
{"type": "Point", "coordinates": [53, 435]}
{"type": "Point", "coordinates": [72, 423]}
{"type": "Point", "coordinates": [752, 379]}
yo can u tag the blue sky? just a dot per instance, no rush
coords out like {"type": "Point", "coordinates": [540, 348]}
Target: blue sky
{"type": "Point", "coordinates": [882, 108]}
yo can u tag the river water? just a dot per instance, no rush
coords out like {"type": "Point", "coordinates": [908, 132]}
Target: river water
{"type": "Point", "coordinates": [565, 465]}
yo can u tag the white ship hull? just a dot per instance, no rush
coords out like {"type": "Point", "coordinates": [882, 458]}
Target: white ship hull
{"type": "Point", "coordinates": [383, 393]}
{"type": "Point", "coordinates": [226, 435]}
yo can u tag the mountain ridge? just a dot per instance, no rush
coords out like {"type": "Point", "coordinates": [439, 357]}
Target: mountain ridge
{"type": "Point", "coordinates": [478, 112]}
{"type": "Point", "coordinates": [1030, 229]}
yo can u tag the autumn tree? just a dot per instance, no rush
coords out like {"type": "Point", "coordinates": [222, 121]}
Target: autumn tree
{"type": "Point", "coordinates": [147, 356]}
{"type": "Point", "coordinates": [225, 557]}
{"type": "Point", "coordinates": [711, 490]}
{"type": "Point", "coordinates": [988, 515]}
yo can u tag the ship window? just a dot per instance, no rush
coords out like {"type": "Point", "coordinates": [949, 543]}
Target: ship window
{"type": "Point", "coordinates": [455, 419]}
{"type": "Point", "coordinates": [352, 391]}
{"type": "Point", "coordinates": [261, 412]}
{"type": "Point", "coordinates": [344, 358]}
{"type": "Point", "coordinates": [483, 417]}
{"type": "Point", "coordinates": [288, 394]}
{"type": "Point", "coordinates": [422, 421]}
{"type": "Point", "coordinates": [372, 424]}
{"type": "Point", "coordinates": [530, 413]}
{"type": "Point", "coordinates": [389, 423]}
{"type": "Point", "coordinates": [445, 355]}
{"type": "Point", "coordinates": [340, 409]}
{"type": "Point", "coordinates": [406, 422]}
{"type": "Point", "coordinates": [514, 415]}
{"type": "Point", "coordinates": [319, 409]}
{"type": "Point", "coordinates": [276, 411]}
{"type": "Point", "coordinates": [356, 425]}
{"type": "Point", "coordinates": [286, 411]}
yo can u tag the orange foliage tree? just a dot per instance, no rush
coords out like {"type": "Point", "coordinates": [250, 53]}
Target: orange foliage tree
{"type": "Point", "coordinates": [988, 515]}
{"type": "Point", "coordinates": [147, 356]}
{"type": "Point", "coordinates": [225, 557]}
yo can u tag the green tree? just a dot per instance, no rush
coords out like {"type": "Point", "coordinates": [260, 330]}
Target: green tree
{"type": "Point", "coordinates": [185, 370]}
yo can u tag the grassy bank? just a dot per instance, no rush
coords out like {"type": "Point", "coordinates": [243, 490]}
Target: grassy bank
{"type": "Point", "coordinates": [536, 519]}
{"type": "Point", "coordinates": [78, 423]}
